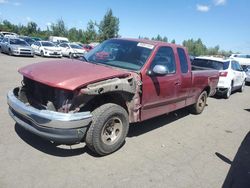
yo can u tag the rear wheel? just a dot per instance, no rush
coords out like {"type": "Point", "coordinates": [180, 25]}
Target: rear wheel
{"type": "Point", "coordinates": [200, 104]}
{"type": "Point", "coordinates": [243, 86]}
{"type": "Point", "coordinates": [108, 129]}
{"type": "Point", "coordinates": [229, 91]}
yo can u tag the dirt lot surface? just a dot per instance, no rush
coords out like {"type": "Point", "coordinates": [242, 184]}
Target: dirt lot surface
{"type": "Point", "coordinates": [177, 150]}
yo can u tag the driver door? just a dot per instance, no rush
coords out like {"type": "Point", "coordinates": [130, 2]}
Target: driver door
{"type": "Point", "coordinates": [160, 92]}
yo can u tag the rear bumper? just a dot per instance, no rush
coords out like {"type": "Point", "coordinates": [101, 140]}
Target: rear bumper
{"type": "Point", "coordinates": [54, 126]}
{"type": "Point", "coordinates": [221, 90]}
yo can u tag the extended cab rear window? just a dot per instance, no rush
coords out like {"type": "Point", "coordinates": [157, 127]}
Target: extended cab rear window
{"type": "Point", "coordinates": [211, 64]}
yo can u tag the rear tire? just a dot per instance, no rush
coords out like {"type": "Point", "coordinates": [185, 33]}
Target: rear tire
{"type": "Point", "coordinates": [229, 92]}
{"type": "Point", "coordinates": [200, 104]}
{"type": "Point", "coordinates": [243, 86]}
{"type": "Point", "coordinates": [108, 129]}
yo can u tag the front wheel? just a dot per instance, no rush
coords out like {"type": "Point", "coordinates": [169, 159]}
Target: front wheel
{"type": "Point", "coordinates": [108, 129]}
{"type": "Point", "coordinates": [71, 56]}
{"type": "Point", "coordinates": [42, 53]}
{"type": "Point", "coordinates": [200, 104]}
{"type": "Point", "coordinates": [10, 52]}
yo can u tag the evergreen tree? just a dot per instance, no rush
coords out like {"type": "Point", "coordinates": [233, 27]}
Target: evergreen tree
{"type": "Point", "coordinates": [109, 26]}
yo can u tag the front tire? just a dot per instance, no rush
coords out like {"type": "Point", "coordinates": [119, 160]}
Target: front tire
{"type": "Point", "coordinates": [42, 54]}
{"type": "Point", "coordinates": [71, 55]}
{"type": "Point", "coordinates": [108, 129]}
{"type": "Point", "coordinates": [10, 52]}
{"type": "Point", "coordinates": [200, 104]}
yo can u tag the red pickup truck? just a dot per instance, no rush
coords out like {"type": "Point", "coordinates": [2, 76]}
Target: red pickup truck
{"type": "Point", "coordinates": [95, 99]}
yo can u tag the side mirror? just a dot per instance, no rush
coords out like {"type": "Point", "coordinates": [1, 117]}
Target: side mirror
{"type": "Point", "coordinates": [158, 70]}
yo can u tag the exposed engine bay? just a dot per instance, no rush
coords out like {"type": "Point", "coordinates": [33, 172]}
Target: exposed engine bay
{"type": "Point", "coordinates": [44, 97]}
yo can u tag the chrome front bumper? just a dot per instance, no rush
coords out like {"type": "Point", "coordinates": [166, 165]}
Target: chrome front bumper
{"type": "Point", "coordinates": [58, 127]}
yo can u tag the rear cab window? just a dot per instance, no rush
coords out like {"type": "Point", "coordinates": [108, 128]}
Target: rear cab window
{"type": "Point", "coordinates": [183, 60]}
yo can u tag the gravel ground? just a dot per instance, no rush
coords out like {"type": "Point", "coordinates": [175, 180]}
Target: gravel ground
{"type": "Point", "coordinates": [175, 151]}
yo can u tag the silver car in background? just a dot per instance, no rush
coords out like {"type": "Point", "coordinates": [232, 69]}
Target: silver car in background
{"type": "Point", "coordinates": [16, 46]}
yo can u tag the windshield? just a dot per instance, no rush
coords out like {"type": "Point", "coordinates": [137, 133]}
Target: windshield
{"type": "Point", "coordinates": [47, 44]}
{"type": "Point", "coordinates": [121, 53]}
{"type": "Point", "coordinates": [75, 46]}
{"type": "Point", "coordinates": [18, 42]}
{"type": "Point", "coordinates": [211, 64]}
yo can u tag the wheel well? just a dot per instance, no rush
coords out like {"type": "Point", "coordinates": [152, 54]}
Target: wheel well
{"type": "Point", "coordinates": [113, 97]}
{"type": "Point", "coordinates": [207, 89]}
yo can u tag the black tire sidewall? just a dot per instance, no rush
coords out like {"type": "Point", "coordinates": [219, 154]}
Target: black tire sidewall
{"type": "Point", "coordinates": [101, 117]}
{"type": "Point", "coordinates": [198, 110]}
{"type": "Point", "coordinates": [195, 108]}
{"type": "Point", "coordinates": [10, 52]}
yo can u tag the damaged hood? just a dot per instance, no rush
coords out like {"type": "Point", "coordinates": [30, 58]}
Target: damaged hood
{"type": "Point", "coordinates": [70, 74]}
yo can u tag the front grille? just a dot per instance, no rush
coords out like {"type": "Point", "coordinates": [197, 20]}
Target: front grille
{"type": "Point", "coordinates": [25, 53]}
{"type": "Point", "coordinates": [25, 50]}
{"type": "Point", "coordinates": [39, 94]}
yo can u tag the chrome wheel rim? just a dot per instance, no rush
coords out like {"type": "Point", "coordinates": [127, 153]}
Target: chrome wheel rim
{"type": "Point", "coordinates": [202, 102]}
{"type": "Point", "coordinates": [111, 131]}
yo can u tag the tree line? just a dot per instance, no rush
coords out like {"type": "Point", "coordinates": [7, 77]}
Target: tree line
{"type": "Point", "coordinates": [98, 32]}
{"type": "Point", "coordinates": [94, 32]}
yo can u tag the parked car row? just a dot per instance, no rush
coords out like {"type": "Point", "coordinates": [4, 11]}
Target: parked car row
{"type": "Point", "coordinates": [27, 46]}
{"type": "Point", "coordinates": [55, 47]}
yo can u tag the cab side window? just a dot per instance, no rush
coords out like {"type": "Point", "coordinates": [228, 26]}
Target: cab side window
{"type": "Point", "coordinates": [165, 56]}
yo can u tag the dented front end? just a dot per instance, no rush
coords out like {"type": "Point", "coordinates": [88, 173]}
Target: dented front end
{"type": "Point", "coordinates": [63, 116]}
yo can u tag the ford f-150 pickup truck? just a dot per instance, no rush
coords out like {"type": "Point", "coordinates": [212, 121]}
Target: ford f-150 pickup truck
{"type": "Point", "coordinates": [121, 81]}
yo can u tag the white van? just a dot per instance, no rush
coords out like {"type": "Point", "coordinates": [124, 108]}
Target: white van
{"type": "Point", "coordinates": [58, 40]}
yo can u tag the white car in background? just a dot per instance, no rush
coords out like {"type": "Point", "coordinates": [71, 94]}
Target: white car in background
{"type": "Point", "coordinates": [71, 50]}
{"type": "Point", "coordinates": [232, 77]}
{"type": "Point", "coordinates": [46, 48]}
